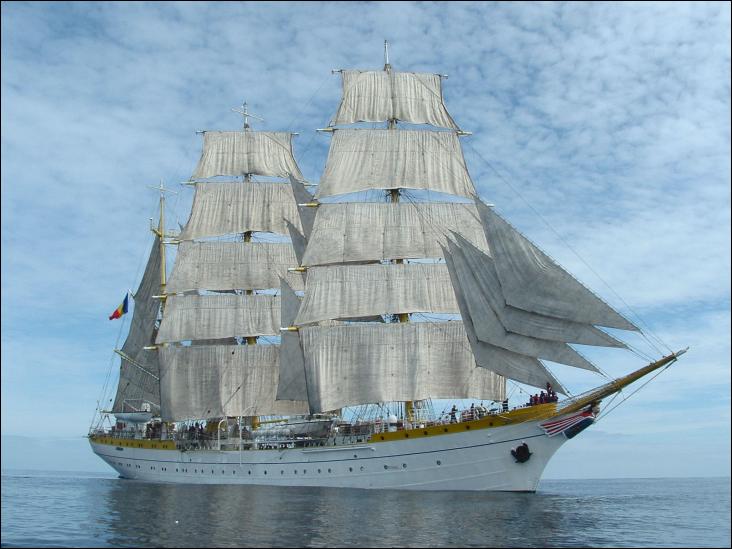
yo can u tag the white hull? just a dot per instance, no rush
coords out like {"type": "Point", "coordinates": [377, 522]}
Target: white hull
{"type": "Point", "coordinates": [474, 460]}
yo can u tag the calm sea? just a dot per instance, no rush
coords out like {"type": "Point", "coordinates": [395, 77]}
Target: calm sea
{"type": "Point", "coordinates": [80, 510]}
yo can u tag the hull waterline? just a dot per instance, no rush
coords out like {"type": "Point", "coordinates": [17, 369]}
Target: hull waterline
{"type": "Point", "coordinates": [479, 460]}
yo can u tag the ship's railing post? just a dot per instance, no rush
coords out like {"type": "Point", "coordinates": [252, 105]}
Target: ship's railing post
{"type": "Point", "coordinates": [218, 432]}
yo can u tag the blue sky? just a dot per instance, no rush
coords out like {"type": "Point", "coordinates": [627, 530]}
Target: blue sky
{"type": "Point", "coordinates": [597, 127]}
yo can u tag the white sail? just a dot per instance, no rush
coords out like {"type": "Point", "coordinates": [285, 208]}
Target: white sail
{"type": "Point", "coordinates": [302, 196]}
{"type": "Point", "coordinates": [532, 281]}
{"type": "Point", "coordinates": [357, 232]}
{"type": "Point", "coordinates": [519, 367]}
{"type": "Point", "coordinates": [356, 364]}
{"type": "Point", "coordinates": [359, 160]}
{"type": "Point", "coordinates": [489, 329]}
{"type": "Point", "coordinates": [352, 291]}
{"type": "Point", "coordinates": [483, 269]}
{"type": "Point", "coordinates": [233, 265]}
{"type": "Point", "coordinates": [377, 96]}
{"type": "Point", "coordinates": [221, 380]}
{"type": "Point", "coordinates": [299, 242]}
{"type": "Point", "coordinates": [246, 153]}
{"type": "Point", "coordinates": [231, 208]}
{"type": "Point", "coordinates": [138, 381]}
{"type": "Point", "coordinates": [291, 384]}
{"type": "Point", "coordinates": [218, 316]}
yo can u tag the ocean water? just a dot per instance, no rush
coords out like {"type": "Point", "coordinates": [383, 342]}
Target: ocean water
{"type": "Point", "coordinates": [86, 510]}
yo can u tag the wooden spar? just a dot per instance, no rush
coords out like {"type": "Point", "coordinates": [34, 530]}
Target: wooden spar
{"type": "Point", "coordinates": [619, 384]}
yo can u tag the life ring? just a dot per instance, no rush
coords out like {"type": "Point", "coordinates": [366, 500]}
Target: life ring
{"type": "Point", "coordinates": [521, 453]}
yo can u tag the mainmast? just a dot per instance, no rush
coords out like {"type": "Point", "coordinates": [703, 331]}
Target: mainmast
{"type": "Point", "coordinates": [356, 251]}
{"type": "Point", "coordinates": [394, 194]}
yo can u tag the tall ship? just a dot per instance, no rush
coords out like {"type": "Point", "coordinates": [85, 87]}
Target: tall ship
{"type": "Point", "coordinates": [310, 335]}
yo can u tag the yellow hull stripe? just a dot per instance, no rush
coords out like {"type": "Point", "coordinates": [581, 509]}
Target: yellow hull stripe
{"type": "Point", "coordinates": [134, 443]}
{"type": "Point", "coordinates": [521, 415]}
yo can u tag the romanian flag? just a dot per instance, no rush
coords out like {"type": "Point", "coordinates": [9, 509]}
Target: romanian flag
{"type": "Point", "coordinates": [119, 311]}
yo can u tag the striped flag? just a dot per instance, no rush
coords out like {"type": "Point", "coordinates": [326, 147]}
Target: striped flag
{"type": "Point", "coordinates": [122, 309]}
{"type": "Point", "coordinates": [561, 424]}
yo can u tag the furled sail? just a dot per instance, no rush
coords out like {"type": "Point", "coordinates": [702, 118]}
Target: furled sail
{"type": "Point", "coordinates": [246, 153]}
{"type": "Point", "coordinates": [356, 364]}
{"type": "Point", "coordinates": [218, 316]}
{"type": "Point", "coordinates": [532, 281]}
{"type": "Point", "coordinates": [370, 231]}
{"type": "Point", "coordinates": [138, 378]}
{"type": "Point", "coordinates": [291, 385]}
{"type": "Point", "coordinates": [230, 208]}
{"type": "Point", "coordinates": [233, 265]}
{"type": "Point", "coordinates": [352, 291]}
{"type": "Point", "coordinates": [221, 380]}
{"type": "Point", "coordinates": [516, 366]}
{"type": "Point", "coordinates": [377, 96]}
{"type": "Point", "coordinates": [482, 268]}
{"type": "Point", "coordinates": [359, 160]}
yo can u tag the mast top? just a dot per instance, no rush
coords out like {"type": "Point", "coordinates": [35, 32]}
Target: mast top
{"type": "Point", "coordinates": [244, 111]}
{"type": "Point", "coordinates": [387, 66]}
{"type": "Point", "coordinates": [161, 188]}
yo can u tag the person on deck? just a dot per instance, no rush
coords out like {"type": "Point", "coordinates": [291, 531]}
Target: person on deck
{"type": "Point", "coordinates": [452, 414]}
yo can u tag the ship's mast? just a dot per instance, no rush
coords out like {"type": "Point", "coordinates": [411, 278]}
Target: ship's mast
{"type": "Point", "coordinates": [391, 124]}
{"type": "Point", "coordinates": [247, 236]}
{"type": "Point", "coordinates": [160, 233]}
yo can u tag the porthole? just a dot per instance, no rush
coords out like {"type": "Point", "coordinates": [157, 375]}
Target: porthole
{"type": "Point", "coordinates": [250, 472]}
{"type": "Point", "coordinates": [318, 471]}
{"type": "Point", "coordinates": [386, 467]}
{"type": "Point", "coordinates": [350, 469]}
{"type": "Point", "coordinates": [355, 456]}
{"type": "Point", "coordinates": [426, 433]}
{"type": "Point", "coordinates": [329, 470]}
{"type": "Point", "coordinates": [404, 465]}
{"type": "Point", "coordinates": [362, 467]}
{"type": "Point", "coordinates": [439, 462]}
{"type": "Point", "coordinates": [265, 472]}
{"type": "Point", "coordinates": [446, 429]}
{"type": "Point", "coordinates": [282, 472]}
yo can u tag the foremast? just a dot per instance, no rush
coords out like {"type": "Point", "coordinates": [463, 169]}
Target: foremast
{"type": "Point", "coordinates": [221, 294]}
